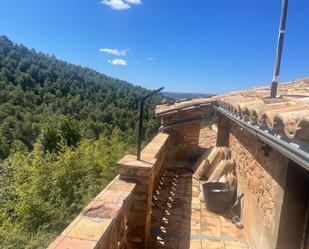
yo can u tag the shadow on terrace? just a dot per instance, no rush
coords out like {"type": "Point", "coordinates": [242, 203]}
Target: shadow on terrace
{"type": "Point", "coordinates": [180, 219]}
{"type": "Point", "coordinates": [153, 203]}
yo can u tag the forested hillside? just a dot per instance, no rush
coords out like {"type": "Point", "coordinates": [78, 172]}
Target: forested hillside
{"type": "Point", "coordinates": [62, 129]}
{"type": "Point", "coordinates": [34, 86]}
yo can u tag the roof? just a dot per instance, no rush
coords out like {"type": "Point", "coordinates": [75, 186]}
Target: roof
{"type": "Point", "coordinates": [185, 105]}
{"type": "Point", "coordinates": [288, 114]}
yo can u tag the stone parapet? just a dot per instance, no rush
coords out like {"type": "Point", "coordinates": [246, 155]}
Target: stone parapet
{"type": "Point", "coordinates": [120, 216]}
{"type": "Point", "coordinates": [145, 173]}
{"type": "Point", "coordinates": [102, 224]}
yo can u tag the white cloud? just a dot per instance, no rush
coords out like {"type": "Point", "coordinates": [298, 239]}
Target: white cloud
{"type": "Point", "coordinates": [151, 58]}
{"type": "Point", "coordinates": [118, 62]}
{"type": "Point", "coordinates": [121, 4]}
{"type": "Point", "coordinates": [133, 2]}
{"type": "Point", "coordinates": [116, 4]}
{"type": "Point", "coordinates": [114, 51]}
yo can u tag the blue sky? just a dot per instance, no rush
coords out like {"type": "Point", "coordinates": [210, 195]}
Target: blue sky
{"type": "Point", "coordinates": [198, 45]}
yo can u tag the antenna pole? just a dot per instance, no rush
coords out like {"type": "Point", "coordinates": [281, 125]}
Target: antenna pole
{"type": "Point", "coordinates": [274, 84]}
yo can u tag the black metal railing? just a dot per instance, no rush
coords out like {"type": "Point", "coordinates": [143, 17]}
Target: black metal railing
{"type": "Point", "coordinates": [141, 119]}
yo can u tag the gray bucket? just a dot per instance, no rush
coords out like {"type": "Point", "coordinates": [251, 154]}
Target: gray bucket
{"type": "Point", "coordinates": [218, 196]}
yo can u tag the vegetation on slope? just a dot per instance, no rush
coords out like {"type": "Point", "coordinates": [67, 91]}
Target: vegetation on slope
{"type": "Point", "coordinates": [34, 86]}
{"type": "Point", "coordinates": [62, 129]}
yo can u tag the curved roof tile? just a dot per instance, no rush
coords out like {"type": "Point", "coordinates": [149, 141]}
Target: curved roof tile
{"type": "Point", "coordinates": [302, 130]}
{"type": "Point", "coordinates": [288, 114]}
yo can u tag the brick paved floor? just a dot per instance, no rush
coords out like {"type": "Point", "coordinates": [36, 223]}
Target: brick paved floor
{"type": "Point", "coordinates": [181, 221]}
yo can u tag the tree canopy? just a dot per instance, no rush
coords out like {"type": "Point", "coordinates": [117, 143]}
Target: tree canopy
{"type": "Point", "coordinates": [34, 86]}
{"type": "Point", "coordinates": [62, 129]}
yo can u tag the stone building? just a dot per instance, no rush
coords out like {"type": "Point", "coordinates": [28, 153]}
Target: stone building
{"type": "Point", "coordinates": [154, 202]}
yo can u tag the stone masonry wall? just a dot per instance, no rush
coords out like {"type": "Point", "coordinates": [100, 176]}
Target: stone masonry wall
{"type": "Point", "coordinates": [102, 224]}
{"type": "Point", "coordinates": [186, 134]}
{"type": "Point", "coordinates": [184, 139]}
{"type": "Point", "coordinates": [120, 216]}
{"type": "Point", "coordinates": [145, 173]}
{"type": "Point", "coordinates": [261, 177]}
{"type": "Point", "coordinates": [192, 133]}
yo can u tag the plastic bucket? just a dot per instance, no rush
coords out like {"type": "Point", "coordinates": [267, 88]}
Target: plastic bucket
{"type": "Point", "coordinates": [218, 196]}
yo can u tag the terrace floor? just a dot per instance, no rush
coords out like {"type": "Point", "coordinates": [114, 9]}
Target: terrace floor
{"type": "Point", "coordinates": [181, 221]}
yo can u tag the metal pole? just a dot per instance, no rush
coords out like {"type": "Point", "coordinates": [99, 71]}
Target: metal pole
{"type": "Point", "coordinates": [140, 129]}
{"type": "Point", "coordinates": [140, 121]}
{"type": "Point", "coordinates": [274, 84]}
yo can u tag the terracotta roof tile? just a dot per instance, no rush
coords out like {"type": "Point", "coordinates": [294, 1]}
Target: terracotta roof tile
{"type": "Point", "coordinates": [289, 114]}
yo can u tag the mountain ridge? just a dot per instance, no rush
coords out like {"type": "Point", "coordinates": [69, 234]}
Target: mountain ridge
{"type": "Point", "coordinates": [185, 95]}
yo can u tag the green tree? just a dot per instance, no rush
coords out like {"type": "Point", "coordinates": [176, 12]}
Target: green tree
{"type": "Point", "coordinates": [59, 129]}
{"type": "Point", "coordinates": [62, 130]}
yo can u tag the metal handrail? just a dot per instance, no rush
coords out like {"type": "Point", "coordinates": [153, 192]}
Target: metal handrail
{"type": "Point", "coordinates": [140, 121]}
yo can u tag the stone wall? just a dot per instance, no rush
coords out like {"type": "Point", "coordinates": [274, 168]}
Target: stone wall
{"type": "Point", "coordinates": [120, 216]}
{"type": "Point", "coordinates": [184, 139]}
{"type": "Point", "coordinates": [102, 224]}
{"type": "Point", "coordinates": [146, 173]}
{"type": "Point", "coordinates": [261, 175]}
{"type": "Point", "coordinates": [186, 134]}
{"type": "Point", "coordinates": [224, 129]}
